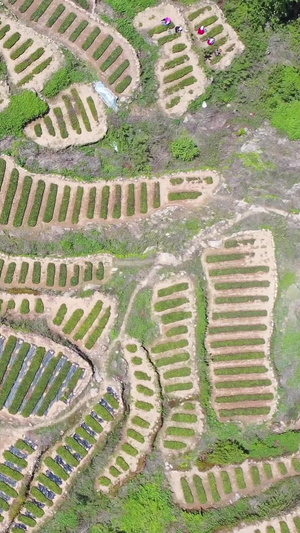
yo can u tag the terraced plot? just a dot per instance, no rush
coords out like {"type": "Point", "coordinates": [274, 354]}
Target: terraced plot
{"type": "Point", "coordinates": [174, 355]}
{"type": "Point", "coordinates": [34, 378]}
{"type": "Point", "coordinates": [55, 274]}
{"type": "Point", "coordinates": [30, 59]}
{"type": "Point", "coordinates": [36, 202]}
{"type": "Point", "coordinates": [17, 461]}
{"type": "Point", "coordinates": [76, 117]}
{"type": "Point", "coordinates": [83, 321]}
{"type": "Point", "coordinates": [58, 469]}
{"type": "Point", "coordinates": [288, 523]}
{"type": "Point", "coordinates": [179, 75]}
{"type": "Point", "coordinates": [226, 39]}
{"type": "Point", "coordinates": [242, 282]}
{"type": "Point", "coordinates": [182, 428]}
{"type": "Point", "coordinates": [95, 42]}
{"type": "Point", "coordinates": [219, 486]}
{"type": "Point", "coordinates": [143, 422]}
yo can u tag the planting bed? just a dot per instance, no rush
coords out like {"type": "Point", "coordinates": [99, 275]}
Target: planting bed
{"type": "Point", "coordinates": [174, 355]}
{"type": "Point", "coordinates": [17, 461]}
{"type": "Point", "coordinates": [58, 469]}
{"type": "Point", "coordinates": [194, 489]}
{"type": "Point", "coordinates": [288, 523]}
{"type": "Point", "coordinates": [55, 274]}
{"type": "Point", "coordinates": [226, 39]}
{"type": "Point", "coordinates": [142, 423]}
{"type": "Point", "coordinates": [30, 58]}
{"type": "Point", "coordinates": [182, 428]}
{"type": "Point", "coordinates": [95, 42]}
{"type": "Point", "coordinates": [179, 75]}
{"type": "Point", "coordinates": [35, 201]}
{"type": "Point", "coordinates": [242, 284]}
{"type": "Point", "coordinates": [34, 378]}
{"type": "Point", "coordinates": [81, 119]}
{"type": "Point", "coordinates": [83, 321]}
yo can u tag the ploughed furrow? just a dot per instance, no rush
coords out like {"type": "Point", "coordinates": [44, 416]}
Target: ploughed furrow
{"type": "Point", "coordinates": [55, 274]}
{"type": "Point", "coordinates": [95, 42]}
{"type": "Point", "coordinates": [33, 202]}
{"type": "Point", "coordinates": [33, 379]}
{"type": "Point", "coordinates": [242, 284]}
{"type": "Point", "coordinates": [142, 423]}
{"type": "Point", "coordinates": [58, 469]}
{"type": "Point", "coordinates": [219, 486]}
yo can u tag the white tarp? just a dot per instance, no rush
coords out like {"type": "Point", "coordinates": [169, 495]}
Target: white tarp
{"type": "Point", "coordinates": [107, 95]}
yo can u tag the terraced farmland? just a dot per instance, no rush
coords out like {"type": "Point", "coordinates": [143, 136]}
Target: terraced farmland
{"type": "Point", "coordinates": [179, 75]}
{"type": "Point", "coordinates": [83, 321]}
{"type": "Point", "coordinates": [226, 39]}
{"type": "Point", "coordinates": [33, 378]}
{"type": "Point", "coordinates": [174, 354]}
{"type": "Point", "coordinates": [76, 117]}
{"type": "Point", "coordinates": [30, 60]}
{"type": "Point", "coordinates": [54, 274]}
{"type": "Point", "coordinates": [36, 202]}
{"type": "Point", "coordinates": [194, 489]}
{"type": "Point", "coordinates": [95, 42]}
{"type": "Point", "coordinates": [58, 469]}
{"type": "Point", "coordinates": [16, 463]}
{"type": "Point", "coordinates": [242, 281]}
{"type": "Point", "coordinates": [143, 422]}
{"type": "Point", "coordinates": [182, 428]}
{"type": "Point", "coordinates": [288, 523]}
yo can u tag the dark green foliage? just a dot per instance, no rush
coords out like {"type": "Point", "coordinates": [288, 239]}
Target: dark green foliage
{"type": "Point", "coordinates": [55, 16]}
{"type": "Point", "coordinates": [81, 108]}
{"type": "Point", "coordinates": [61, 122]}
{"type": "Point", "coordinates": [178, 74]}
{"type": "Point", "coordinates": [10, 195]}
{"type": "Point", "coordinates": [23, 108]}
{"type": "Point", "coordinates": [40, 10]}
{"type": "Point", "coordinates": [31, 59]}
{"type": "Point", "coordinates": [111, 59]}
{"type": "Point", "coordinates": [67, 23]}
{"type": "Point", "coordinates": [21, 49]}
{"type": "Point", "coordinates": [77, 206]}
{"type": "Point", "coordinates": [51, 202]}
{"type": "Point", "coordinates": [12, 40]}
{"type": "Point", "coordinates": [73, 72]}
{"type": "Point", "coordinates": [91, 38]}
{"type": "Point", "coordinates": [103, 47]}
{"type": "Point", "coordinates": [64, 204]}
{"type": "Point", "coordinates": [179, 196]}
{"type": "Point", "coordinates": [118, 72]}
{"type": "Point", "coordinates": [97, 332]}
{"type": "Point", "coordinates": [49, 126]}
{"type": "Point", "coordinates": [35, 210]}
{"type": "Point", "coordinates": [80, 28]}
{"type": "Point", "coordinates": [122, 86]}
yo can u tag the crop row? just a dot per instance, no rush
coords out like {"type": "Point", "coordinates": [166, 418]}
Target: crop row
{"type": "Point", "coordinates": [140, 428]}
{"type": "Point", "coordinates": [49, 273]}
{"type": "Point", "coordinates": [56, 470]}
{"type": "Point", "coordinates": [182, 428]}
{"type": "Point", "coordinates": [242, 283]}
{"type": "Point", "coordinates": [33, 379]}
{"type": "Point", "coordinates": [27, 59]}
{"type": "Point", "coordinates": [218, 486]}
{"type": "Point", "coordinates": [76, 117]}
{"type": "Point", "coordinates": [32, 201]}
{"type": "Point", "coordinates": [288, 523]}
{"type": "Point", "coordinates": [93, 42]}
{"type": "Point", "coordinates": [12, 473]}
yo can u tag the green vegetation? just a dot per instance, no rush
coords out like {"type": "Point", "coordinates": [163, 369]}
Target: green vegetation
{"type": "Point", "coordinates": [140, 323]}
{"type": "Point", "coordinates": [23, 108]}
{"type": "Point", "coordinates": [73, 72]}
{"type": "Point", "coordinates": [184, 148]}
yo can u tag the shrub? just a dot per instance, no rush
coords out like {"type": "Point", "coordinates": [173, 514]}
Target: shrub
{"type": "Point", "coordinates": [103, 47]}
{"type": "Point", "coordinates": [12, 40]}
{"type": "Point", "coordinates": [67, 22]}
{"type": "Point", "coordinates": [55, 16]}
{"type": "Point", "coordinates": [178, 74]}
{"type": "Point", "coordinates": [124, 83]}
{"type": "Point", "coordinates": [184, 148]}
{"type": "Point", "coordinates": [285, 119]}
{"type": "Point", "coordinates": [78, 31]}
{"type": "Point", "coordinates": [23, 108]}
{"type": "Point", "coordinates": [91, 38]}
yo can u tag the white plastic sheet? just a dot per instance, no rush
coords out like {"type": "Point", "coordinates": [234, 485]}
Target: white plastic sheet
{"type": "Point", "coordinates": [106, 95]}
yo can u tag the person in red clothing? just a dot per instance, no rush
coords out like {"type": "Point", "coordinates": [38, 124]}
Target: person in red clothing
{"type": "Point", "coordinates": [202, 30]}
{"type": "Point", "coordinates": [210, 42]}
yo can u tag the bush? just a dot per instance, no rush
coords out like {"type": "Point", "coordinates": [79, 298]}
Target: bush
{"type": "Point", "coordinates": [73, 72]}
{"type": "Point", "coordinates": [184, 148]}
{"type": "Point", "coordinates": [286, 119]}
{"type": "Point", "coordinates": [23, 108]}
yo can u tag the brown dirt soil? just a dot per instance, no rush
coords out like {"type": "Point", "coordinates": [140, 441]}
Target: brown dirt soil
{"type": "Point", "coordinates": [236, 493]}
{"type": "Point", "coordinates": [260, 253]}
{"type": "Point", "coordinates": [166, 185]}
{"type": "Point", "coordinates": [98, 127]}
{"type": "Point", "coordinates": [52, 32]}
{"type": "Point", "coordinates": [51, 50]}
{"type": "Point", "coordinates": [153, 417]}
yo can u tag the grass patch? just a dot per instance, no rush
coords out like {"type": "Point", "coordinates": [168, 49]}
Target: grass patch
{"type": "Point", "coordinates": [243, 384]}
{"type": "Point", "coordinates": [245, 411]}
{"type": "Point", "coordinates": [187, 493]}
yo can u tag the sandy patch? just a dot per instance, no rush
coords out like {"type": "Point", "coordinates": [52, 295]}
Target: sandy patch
{"type": "Point", "coordinates": [4, 95]}
{"type": "Point", "coordinates": [50, 51]}
{"type": "Point", "coordinates": [77, 137]}
{"type": "Point", "coordinates": [247, 250]}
